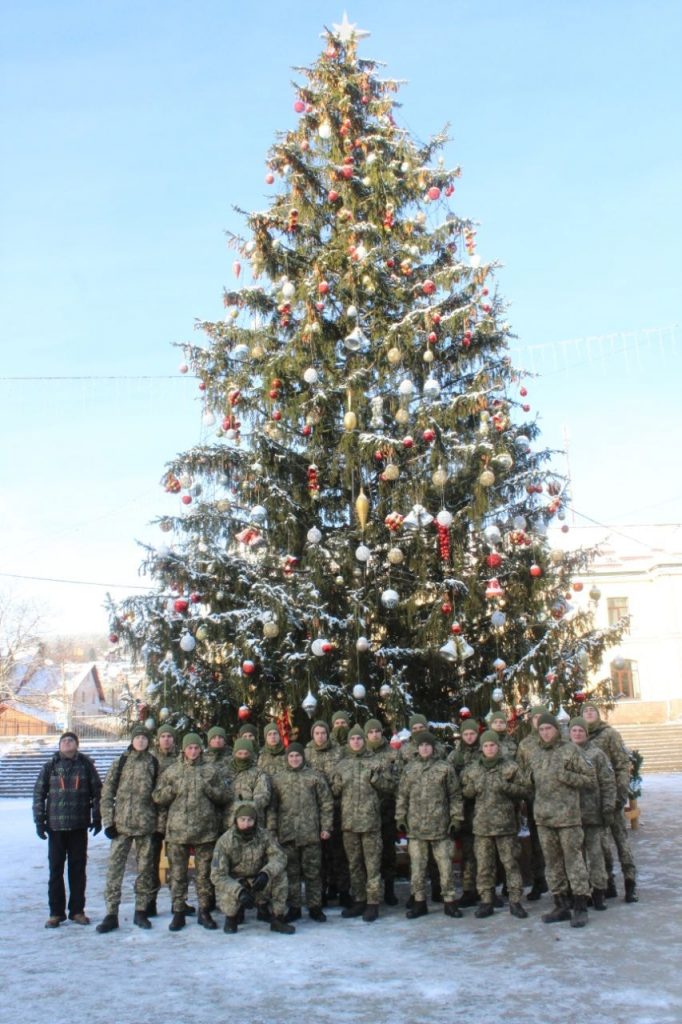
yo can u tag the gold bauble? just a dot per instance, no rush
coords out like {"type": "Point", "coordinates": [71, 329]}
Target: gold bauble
{"type": "Point", "coordinates": [391, 472]}
{"type": "Point", "coordinates": [402, 416]}
{"type": "Point", "coordinates": [487, 478]}
{"type": "Point", "coordinates": [395, 556]}
{"type": "Point", "coordinates": [350, 421]}
{"type": "Point", "coordinates": [394, 355]}
{"type": "Point", "coordinates": [362, 509]}
{"type": "Point", "coordinates": [428, 356]}
{"type": "Point", "coordinates": [440, 477]}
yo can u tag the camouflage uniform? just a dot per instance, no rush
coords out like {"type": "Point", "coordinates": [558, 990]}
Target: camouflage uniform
{"type": "Point", "coordinates": [237, 857]}
{"type": "Point", "coordinates": [302, 807]}
{"type": "Point", "coordinates": [558, 772]}
{"type": "Point", "coordinates": [357, 780]}
{"type": "Point", "coordinates": [460, 758]}
{"type": "Point", "coordinates": [597, 806]}
{"type": "Point", "coordinates": [165, 761]}
{"type": "Point", "coordinates": [250, 784]}
{"type": "Point", "coordinates": [335, 874]}
{"type": "Point", "coordinates": [128, 806]}
{"type": "Point", "coordinates": [429, 804]}
{"type": "Point", "coordinates": [495, 784]}
{"type": "Point", "coordinates": [194, 792]}
{"type": "Point", "coordinates": [537, 861]}
{"type": "Point", "coordinates": [610, 741]}
{"type": "Point", "coordinates": [272, 760]}
{"type": "Point", "coordinates": [384, 755]}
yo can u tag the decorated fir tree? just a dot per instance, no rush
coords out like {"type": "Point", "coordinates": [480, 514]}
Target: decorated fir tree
{"type": "Point", "coordinates": [366, 523]}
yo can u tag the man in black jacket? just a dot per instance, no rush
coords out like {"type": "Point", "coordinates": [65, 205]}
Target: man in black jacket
{"type": "Point", "coordinates": [65, 806]}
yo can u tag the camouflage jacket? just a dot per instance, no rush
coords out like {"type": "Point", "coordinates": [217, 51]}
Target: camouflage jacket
{"type": "Point", "coordinates": [358, 780]}
{"type": "Point", "coordinates": [127, 794]}
{"type": "Point", "coordinates": [388, 759]}
{"type": "Point", "coordinates": [558, 771]}
{"type": "Point", "coordinates": [194, 792]}
{"type": "Point", "coordinates": [524, 750]}
{"type": "Point", "coordinates": [429, 799]}
{"type": "Point", "coordinates": [235, 857]}
{"type": "Point", "coordinates": [248, 784]}
{"type": "Point", "coordinates": [610, 741]}
{"type": "Point", "coordinates": [461, 757]}
{"type": "Point", "coordinates": [324, 758]}
{"type": "Point", "coordinates": [495, 788]}
{"type": "Point", "coordinates": [67, 793]}
{"type": "Point", "coordinates": [273, 761]}
{"type": "Point", "coordinates": [165, 761]}
{"type": "Point", "coordinates": [302, 806]}
{"type": "Point", "coordinates": [600, 801]}
{"type": "Point", "coordinates": [508, 746]}
{"type": "Point", "coordinates": [220, 758]}
{"type": "Point", "coordinates": [409, 753]}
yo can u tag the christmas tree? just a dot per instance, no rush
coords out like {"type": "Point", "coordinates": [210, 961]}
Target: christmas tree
{"type": "Point", "coordinates": [366, 524]}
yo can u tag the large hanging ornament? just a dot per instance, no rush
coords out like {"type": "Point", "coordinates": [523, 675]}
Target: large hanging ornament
{"type": "Point", "coordinates": [309, 704]}
{"type": "Point", "coordinates": [363, 553]}
{"type": "Point", "coordinates": [356, 340]}
{"type": "Point", "coordinates": [248, 667]}
{"type": "Point", "coordinates": [493, 589]}
{"type": "Point", "coordinates": [417, 518]}
{"type": "Point", "coordinates": [395, 556]}
{"type": "Point", "coordinates": [492, 534]}
{"type": "Point", "coordinates": [362, 508]}
{"type": "Point", "coordinates": [444, 518]}
{"type": "Point", "coordinates": [498, 695]}
{"type": "Point", "coordinates": [163, 714]}
{"type": "Point", "coordinates": [313, 536]}
{"type": "Point", "coordinates": [320, 647]}
{"type": "Point", "coordinates": [385, 691]}
{"type": "Point", "coordinates": [362, 644]}
{"type": "Point", "coordinates": [390, 598]}
{"type": "Point", "coordinates": [258, 514]}
{"type": "Point", "coordinates": [244, 713]}
{"type": "Point", "coordinates": [359, 692]}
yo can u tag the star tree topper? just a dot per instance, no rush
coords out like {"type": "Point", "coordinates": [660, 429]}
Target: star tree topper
{"type": "Point", "coordinates": [347, 31]}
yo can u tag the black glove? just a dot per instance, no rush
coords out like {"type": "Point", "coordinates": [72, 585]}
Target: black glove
{"type": "Point", "coordinates": [40, 831]}
{"type": "Point", "coordinates": [245, 899]}
{"type": "Point", "coordinates": [455, 831]}
{"type": "Point", "coordinates": [402, 827]}
{"type": "Point", "coordinates": [111, 832]}
{"type": "Point", "coordinates": [259, 882]}
{"type": "Point", "coordinates": [96, 827]}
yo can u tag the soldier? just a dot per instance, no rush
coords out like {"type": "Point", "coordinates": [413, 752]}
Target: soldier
{"type": "Point", "coordinates": [194, 793]}
{"type": "Point", "coordinates": [218, 752]}
{"type": "Point", "coordinates": [357, 780]}
{"type": "Point", "coordinates": [597, 807]}
{"type": "Point", "coordinates": [322, 752]}
{"type": "Point", "coordinates": [65, 805]}
{"type": "Point", "coordinates": [166, 754]}
{"type": "Point", "coordinates": [610, 741]}
{"type": "Point", "coordinates": [429, 809]}
{"type": "Point", "coordinates": [381, 751]}
{"type": "Point", "coordinates": [129, 817]}
{"type": "Point", "coordinates": [494, 784]}
{"type": "Point", "coordinates": [557, 772]}
{"type": "Point", "coordinates": [272, 758]}
{"type": "Point", "coordinates": [301, 815]}
{"type": "Point", "coordinates": [340, 727]}
{"type": "Point", "coordinates": [247, 781]}
{"type": "Point", "coordinates": [249, 732]}
{"type": "Point", "coordinates": [248, 870]}
{"type": "Point", "coordinates": [524, 750]}
{"type": "Point", "coordinates": [409, 751]}
{"type": "Point", "coordinates": [467, 751]}
{"type": "Point", "coordinates": [498, 723]}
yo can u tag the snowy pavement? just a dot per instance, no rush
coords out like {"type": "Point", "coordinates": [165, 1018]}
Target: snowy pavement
{"type": "Point", "coordinates": [624, 968]}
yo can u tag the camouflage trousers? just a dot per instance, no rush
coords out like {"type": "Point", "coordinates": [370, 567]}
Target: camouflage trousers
{"type": "Point", "coordinates": [419, 858]}
{"type": "Point", "coordinates": [468, 866]}
{"type": "Point", "coordinates": [594, 856]}
{"type": "Point", "coordinates": [275, 894]}
{"type": "Point", "coordinates": [363, 850]}
{"type": "Point", "coordinates": [388, 833]}
{"type": "Point", "coordinates": [537, 861]}
{"type": "Point", "coordinates": [335, 875]}
{"type": "Point", "coordinates": [144, 882]}
{"type": "Point", "coordinates": [619, 833]}
{"type": "Point", "coordinates": [487, 849]}
{"type": "Point", "coordinates": [562, 849]}
{"type": "Point", "coordinates": [304, 863]}
{"type": "Point", "coordinates": [178, 859]}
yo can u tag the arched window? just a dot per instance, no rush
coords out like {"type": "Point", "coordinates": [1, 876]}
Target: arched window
{"type": "Point", "coordinates": [625, 679]}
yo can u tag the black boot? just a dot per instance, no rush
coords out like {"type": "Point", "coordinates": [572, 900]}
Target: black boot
{"type": "Point", "coordinates": [345, 900]}
{"type": "Point", "coordinates": [355, 910]}
{"type": "Point", "coordinates": [371, 913]}
{"type": "Point", "coordinates": [317, 914]}
{"type": "Point", "coordinates": [263, 913]}
{"type": "Point", "coordinates": [498, 902]}
{"type": "Point", "coordinates": [108, 924]}
{"type": "Point", "coordinates": [188, 910]}
{"type": "Point", "coordinates": [598, 899]}
{"type": "Point", "coordinates": [579, 916]}
{"type": "Point", "coordinates": [484, 910]}
{"type": "Point", "coordinates": [410, 902]}
{"type": "Point", "coordinates": [278, 924]}
{"type": "Point", "coordinates": [451, 909]}
{"type": "Point", "coordinates": [240, 915]}
{"type": "Point", "coordinates": [141, 919]}
{"type": "Point", "coordinates": [517, 910]}
{"type": "Point", "coordinates": [631, 891]}
{"type": "Point", "coordinates": [436, 893]}
{"type": "Point", "coordinates": [390, 898]}
{"type": "Point", "coordinates": [178, 921]}
{"type": "Point", "coordinates": [468, 898]}
{"type": "Point", "coordinates": [539, 887]}
{"type": "Point", "coordinates": [205, 920]}
{"type": "Point", "coordinates": [230, 926]}
{"type": "Point", "coordinates": [292, 914]}
{"type": "Point", "coordinates": [418, 909]}
{"type": "Point", "coordinates": [611, 891]}
{"type": "Point", "coordinates": [151, 910]}
{"type": "Point", "coordinates": [561, 912]}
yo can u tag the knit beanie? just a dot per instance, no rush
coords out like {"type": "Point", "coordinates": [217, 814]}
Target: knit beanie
{"type": "Point", "coordinates": [140, 730]}
{"type": "Point", "coordinates": [373, 723]}
{"type": "Point", "coordinates": [416, 720]}
{"type": "Point", "coordinates": [163, 729]}
{"type": "Point", "coordinates": [295, 748]}
{"type": "Point", "coordinates": [322, 725]}
{"type": "Point", "coordinates": [270, 727]}
{"type": "Point", "coordinates": [191, 738]}
{"type": "Point", "coordinates": [243, 744]}
{"type": "Point", "coordinates": [579, 720]}
{"type": "Point", "coordinates": [470, 725]}
{"type": "Point", "coordinates": [216, 730]}
{"type": "Point", "coordinates": [538, 709]}
{"type": "Point", "coordinates": [247, 729]}
{"type": "Point", "coordinates": [357, 730]}
{"type": "Point", "coordinates": [489, 736]}
{"type": "Point", "coordinates": [245, 809]}
{"type": "Point", "coordinates": [69, 736]}
{"type": "Point", "coordinates": [547, 719]}
{"type": "Point", "coordinates": [426, 737]}
{"type": "Point", "coordinates": [341, 714]}
{"type": "Point", "coordinates": [498, 716]}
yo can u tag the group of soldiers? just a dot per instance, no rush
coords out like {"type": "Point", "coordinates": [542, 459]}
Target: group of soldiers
{"type": "Point", "coordinates": [287, 825]}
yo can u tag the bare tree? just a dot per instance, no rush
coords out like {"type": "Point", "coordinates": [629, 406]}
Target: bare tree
{"type": "Point", "coordinates": [20, 643]}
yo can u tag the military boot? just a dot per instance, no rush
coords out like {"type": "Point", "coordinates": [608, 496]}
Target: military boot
{"type": "Point", "coordinates": [539, 887]}
{"type": "Point", "coordinates": [390, 898]}
{"type": "Point", "coordinates": [178, 921]}
{"type": "Point", "coordinates": [356, 910]}
{"type": "Point", "coordinates": [108, 924]}
{"type": "Point", "coordinates": [371, 912]}
{"type": "Point", "coordinates": [292, 914]}
{"type": "Point", "coordinates": [263, 913]}
{"type": "Point", "coordinates": [345, 900]}
{"type": "Point", "coordinates": [436, 892]}
{"type": "Point", "coordinates": [205, 920]}
{"type": "Point", "coordinates": [317, 914]}
{"type": "Point", "coordinates": [518, 910]}
{"type": "Point", "coordinates": [188, 910]}
{"type": "Point", "coordinates": [561, 912]}
{"type": "Point", "coordinates": [278, 924]}
{"type": "Point", "coordinates": [611, 891]}
{"type": "Point", "coordinates": [579, 915]}
{"type": "Point", "coordinates": [230, 926]}
{"type": "Point", "coordinates": [631, 891]}
{"type": "Point", "coordinates": [468, 898]}
{"type": "Point", "coordinates": [418, 909]}
{"type": "Point", "coordinates": [598, 899]}
{"type": "Point", "coordinates": [151, 910]}
{"type": "Point", "coordinates": [484, 910]}
{"type": "Point", "coordinates": [141, 919]}
{"type": "Point", "coordinates": [451, 909]}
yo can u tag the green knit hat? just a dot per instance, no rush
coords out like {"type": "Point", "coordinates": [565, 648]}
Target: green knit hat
{"type": "Point", "coordinates": [498, 716]}
{"type": "Point", "coordinates": [489, 736]}
{"type": "Point", "coordinates": [140, 730]}
{"type": "Point", "coordinates": [357, 730]}
{"type": "Point", "coordinates": [243, 744]}
{"type": "Point", "coordinates": [591, 704]}
{"type": "Point", "coordinates": [191, 738]}
{"type": "Point", "coordinates": [538, 709]}
{"type": "Point", "coordinates": [424, 736]}
{"type": "Point", "coordinates": [547, 719]}
{"type": "Point", "coordinates": [373, 723]}
{"type": "Point", "coordinates": [270, 727]}
{"type": "Point", "coordinates": [416, 720]}
{"type": "Point", "coordinates": [469, 725]}
{"type": "Point", "coordinates": [163, 729]}
{"type": "Point", "coordinates": [579, 720]}
{"type": "Point", "coordinates": [341, 714]}
{"type": "Point", "coordinates": [245, 809]}
{"type": "Point", "coordinates": [295, 748]}
{"type": "Point", "coordinates": [321, 724]}
{"type": "Point", "coordinates": [216, 730]}
{"type": "Point", "coordinates": [247, 728]}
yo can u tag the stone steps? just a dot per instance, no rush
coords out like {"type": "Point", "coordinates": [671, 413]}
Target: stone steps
{"type": "Point", "coordinates": [659, 745]}
{"type": "Point", "coordinates": [19, 768]}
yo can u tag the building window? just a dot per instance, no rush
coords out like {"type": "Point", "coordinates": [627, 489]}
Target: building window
{"type": "Point", "coordinates": [624, 679]}
{"type": "Point", "coordinates": [617, 608]}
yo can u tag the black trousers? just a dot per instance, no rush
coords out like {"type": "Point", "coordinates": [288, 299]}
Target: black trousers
{"type": "Point", "coordinates": [67, 847]}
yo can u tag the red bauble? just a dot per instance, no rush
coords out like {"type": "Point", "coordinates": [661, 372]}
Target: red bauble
{"type": "Point", "coordinates": [580, 696]}
{"type": "Point", "coordinates": [446, 608]}
{"type": "Point", "coordinates": [327, 648]}
{"type": "Point", "coordinates": [429, 435]}
{"type": "Point", "coordinates": [186, 499]}
{"type": "Point", "coordinates": [525, 407]}
{"type": "Point", "coordinates": [248, 668]}
{"type": "Point", "coordinates": [113, 638]}
{"type": "Point", "coordinates": [494, 560]}
{"type": "Point", "coordinates": [346, 172]}
{"type": "Point", "coordinates": [202, 385]}
{"type": "Point", "coordinates": [195, 598]}
{"type": "Point", "coordinates": [428, 287]}
{"type": "Point", "coordinates": [433, 193]}
{"type": "Point", "coordinates": [332, 195]}
{"type": "Point", "coordinates": [307, 430]}
{"type": "Point", "coordinates": [432, 338]}
{"type": "Point", "coordinates": [449, 189]}
{"type": "Point", "coordinates": [276, 415]}
{"type": "Point", "coordinates": [535, 571]}
{"type": "Point", "coordinates": [523, 392]}
{"type": "Point", "coordinates": [269, 179]}
{"type": "Point", "coordinates": [408, 442]}
{"type": "Point", "coordinates": [181, 605]}
{"type": "Point", "coordinates": [464, 713]}
{"type": "Point", "coordinates": [244, 713]}
{"type": "Point", "coordinates": [395, 743]}
{"type": "Point", "coordinates": [323, 287]}
{"type": "Point", "coordinates": [577, 586]}
{"type": "Point", "coordinates": [435, 317]}
{"type": "Point", "coordinates": [550, 677]}
{"type": "Point", "coordinates": [299, 106]}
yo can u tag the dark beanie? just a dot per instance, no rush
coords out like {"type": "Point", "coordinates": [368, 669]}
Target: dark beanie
{"type": "Point", "coordinates": [579, 720]}
{"type": "Point", "coordinates": [469, 725]}
{"type": "Point", "coordinates": [216, 730]}
{"type": "Point", "coordinates": [243, 744]}
{"type": "Point", "coordinates": [490, 736]}
{"type": "Point", "coordinates": [425, 737]}
{"type": "Point", "coordinates": [591, 704]}
{"type": "Point", "coordinates": [498, 716]}
{"type": "Point", "coordinates": [166, 729]}
{"type": "Point", "coordinates": [270, 727]}
{"type": "Point", "coordinates": [296, 748]}
{"type": "Point", "coordinates": [373, 723]}
{"type": "Point", "coordinates": [547, 719]}
{"type": "Point", "coordinates": [357, 730]}
{"type": "Point", "coordinates": [140, 730]}
{"type": "Point", "coordinates": [538, 709]}
{"type": "Point", "coordinates": [341, 714]}
{"type": "Point", "coordinates": [189, 738]}
{"type": "Point", "coordinates": [416, 720]}
{"type": "Point", "coordinates": [321, 724]}
{"type": "Point", "coordinates": [247, 727]}
{"type": "Point", "coordinates": [69, 735]}
{"type": "Point", "coordinates": [246, 809]}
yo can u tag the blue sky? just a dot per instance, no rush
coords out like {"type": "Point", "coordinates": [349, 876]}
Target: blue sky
{"type": "Point", "coordinates": [131, 129]}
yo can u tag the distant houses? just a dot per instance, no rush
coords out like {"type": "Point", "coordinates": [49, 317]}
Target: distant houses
{"type": "Point", "coordinates": [50, 698]}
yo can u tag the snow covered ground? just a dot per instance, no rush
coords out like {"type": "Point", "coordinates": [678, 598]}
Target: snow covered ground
{"type": "Point", "coordinates": [624, 968]}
